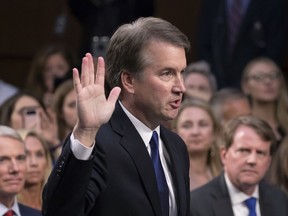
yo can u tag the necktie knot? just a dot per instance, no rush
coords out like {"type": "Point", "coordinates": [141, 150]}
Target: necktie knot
{"type": "Point", "coordinates": [251, 204]}
{"type": "Point", "coordinates": [9, 213]}
{"type": "Point", "coordinates": [154, 141]}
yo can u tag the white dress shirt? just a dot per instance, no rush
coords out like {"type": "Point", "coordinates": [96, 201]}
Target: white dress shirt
{"type": "Point", "coordinates": [237, 199]}
{"type": "Point", "coordinates": [83, 153]}
{"type": "Point", "coordinates": [15, 208]}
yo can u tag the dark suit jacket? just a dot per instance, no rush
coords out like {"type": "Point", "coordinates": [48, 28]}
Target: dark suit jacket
{"type": "Point", "coordinates": [213, 199]}
{"type": "Point", "coordinates": [119, 179]}
{"type": "Point", "coordinates": [263, 33]}
{"type": "Point", "coordinates": [27, 211]}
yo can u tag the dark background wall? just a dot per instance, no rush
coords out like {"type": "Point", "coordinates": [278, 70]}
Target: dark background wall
{"type": "Point", "coordinates": [26, 26]}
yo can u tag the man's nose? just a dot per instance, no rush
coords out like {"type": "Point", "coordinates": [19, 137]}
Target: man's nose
{"type": "Point", "coordinates": [14, 166]}
{"type": "Point", "coordinates": [252, 158]}
{"type": "Point", "coordinates": [179, 84]}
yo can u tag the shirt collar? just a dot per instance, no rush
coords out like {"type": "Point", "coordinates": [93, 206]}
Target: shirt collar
{"type": "Point", "coordinates": [144, 131]}
{"type": "Point", "coordinates": [15, 208]}
{"type": "Point", "coordinates": [237, 196]}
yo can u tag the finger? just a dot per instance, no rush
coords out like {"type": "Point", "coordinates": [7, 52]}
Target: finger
{"type": "Point", "coordinates": [85, 71]}
{"type": "Point", "coordinates": [76, 81]}
{"type": "Point", "coordinates": [100, 75]}
{"type": "Point", "coordinates": [114, 94]}
{"type": "Point", "coordinates": [91, 68]}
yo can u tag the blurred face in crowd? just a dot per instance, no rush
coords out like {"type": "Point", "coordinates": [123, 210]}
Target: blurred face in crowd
{"type": "Point", "coordinates": [56, 66]}
{"type": "Point", "coordinates": [36, 160]}
{"type": "Point", "coordinates": [234, 108]}
{"type": "Point", "coordinates": [197, 85]}
{"type": "Point", "coordinates": [247, 160]}
{"type": "Point", "coordinates": [195, 127]}
{"type": "Point", "coordinates": [20, 114]}
{"type": "Point", "coordinates": [69, 109]}
{"type": "Point", "coordinates": [157, 94]}
{"type": "Point", "coordinates": [263, 82]}
{"type": "Point", "coordinates": [12, 167]}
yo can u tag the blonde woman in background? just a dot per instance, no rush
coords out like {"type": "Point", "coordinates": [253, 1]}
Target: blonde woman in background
{"type": "Point", "coordinates": [264, 84]}
{"type": "Point", "coordinates": [278, 173]}
{"type": "Point", "coordinates": [197, 126]}
{"type": "Point", "coordinates": [39, 166]}
{"type": "Point", "coordinates": [64, 106]}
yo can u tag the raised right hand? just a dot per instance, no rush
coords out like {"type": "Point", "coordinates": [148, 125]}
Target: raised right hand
{"type": "Point", "coordinates": [93, 108]}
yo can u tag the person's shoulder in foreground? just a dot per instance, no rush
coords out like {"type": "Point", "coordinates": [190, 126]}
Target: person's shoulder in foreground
{"type": "Point", "coordinates": [27, 211]}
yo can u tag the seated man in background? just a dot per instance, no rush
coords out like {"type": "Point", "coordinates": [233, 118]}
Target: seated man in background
{"type": "Point", "coordinates": [12, 173]}
{"type": "Point", "coordinates": [241, 189]}
{"type": "Point", "coordinates": [229, 103]}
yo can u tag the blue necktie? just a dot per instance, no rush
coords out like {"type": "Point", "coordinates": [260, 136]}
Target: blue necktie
{"type": "Point", "coordinates": [251, 204]}
{"type": "Point", "coordinates": [160, 176]}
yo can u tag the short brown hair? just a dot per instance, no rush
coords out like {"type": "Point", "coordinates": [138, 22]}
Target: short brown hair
{"type": "Point", "coordinates": [261, 127]}
{"type": "Point", "coordinates": [126, 46]}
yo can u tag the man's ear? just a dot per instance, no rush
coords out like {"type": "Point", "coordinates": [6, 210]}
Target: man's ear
{"type": "Point", "coordinates": [127, 81]}
{"type": "Point", "coordinates": [223, 152]}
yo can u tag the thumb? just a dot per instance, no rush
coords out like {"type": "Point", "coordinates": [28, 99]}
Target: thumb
{"type": "Point", "coordinates": [114, 94]}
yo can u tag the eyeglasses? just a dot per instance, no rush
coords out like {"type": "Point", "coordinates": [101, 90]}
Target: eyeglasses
{"type": "Point", "coordinates": [260, 77]}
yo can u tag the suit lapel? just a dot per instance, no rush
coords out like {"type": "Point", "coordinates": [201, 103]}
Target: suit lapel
{"type": "Point", "coordinates": [266, 208]}
{"type": "Point", "coordinates": [221, 203]}
{"type": "Point", "coordinates": [132, 142]}
{"type": "Point", "coordinates": [176, 172]}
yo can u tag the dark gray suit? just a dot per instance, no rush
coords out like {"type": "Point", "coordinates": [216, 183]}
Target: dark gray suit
{"type": "Point", "coordinates": [119, 179]}
{"type": "Point", "coordinates": [213, 199]}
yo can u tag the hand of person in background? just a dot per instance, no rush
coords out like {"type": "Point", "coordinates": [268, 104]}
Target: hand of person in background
{"type": "Point", "coordinates": [49, 128]}
{"type": "Point", "coordinates": [93, 108]}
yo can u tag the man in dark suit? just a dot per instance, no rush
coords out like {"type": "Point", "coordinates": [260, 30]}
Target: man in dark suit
{"type": "Point", "coordinates": [246, 156]}
{"type": "Point", "coordinates": [114, 174]}
{"type": "Point", "coordinates": [228, 39]}
{"type": "Point", "coordinates": [12, 173]}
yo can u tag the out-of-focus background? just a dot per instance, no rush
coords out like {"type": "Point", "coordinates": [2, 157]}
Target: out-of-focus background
{"type": "Point", "coordinates": [26, 26]}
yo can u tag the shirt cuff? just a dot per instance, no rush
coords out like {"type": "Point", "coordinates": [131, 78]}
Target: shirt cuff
{"type": "Point", "coordinates": [80, 151]}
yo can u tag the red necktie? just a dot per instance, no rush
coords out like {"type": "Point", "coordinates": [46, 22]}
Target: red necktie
{"type": "Point", "coordinates": [9, 213]}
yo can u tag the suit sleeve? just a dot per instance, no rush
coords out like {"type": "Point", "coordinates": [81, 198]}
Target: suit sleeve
{"type": "Point", "coordinates": [74, 185]}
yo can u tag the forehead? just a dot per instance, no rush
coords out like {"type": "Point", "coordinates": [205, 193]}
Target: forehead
{"type": "Point", "coordinates": [163, 54]}
{"type": "Point", "coordinates": [56, 58]}
{"type": "Point", "coordinates": [197, 79]}
{"type": "Point", "coordinates": [26, 101]}
{"type": "Point", "coordinates": [247, 136]}
{"type": "Point", "coordinates": [237, 107]}
{"type": "Point", "coordinates": [11, 146]}
{"type": "Point", "coordinates": [262, 67]}
{"type": "Point", "coordinates": [194, 114]}
{"type": "Point", "coordinates": [33, 142]}
{"type": "Point", "coordinates": [70, 95]}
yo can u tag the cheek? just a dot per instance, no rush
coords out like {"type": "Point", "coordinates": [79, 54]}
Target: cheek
{"type": "Point", "coordinates": [23, 167]}
{"type": "Point", "coordinates": [183, 134]}
{"type": "Point", "coordinates": [16, 121]}
{"type": "Point", "coordinates": [208, 133]}
{"type": "Point", "coordinates": [43, 164]}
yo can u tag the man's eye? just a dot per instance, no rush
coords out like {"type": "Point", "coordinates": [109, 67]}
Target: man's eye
{"type": "Point", "coordinates": [167, 73]}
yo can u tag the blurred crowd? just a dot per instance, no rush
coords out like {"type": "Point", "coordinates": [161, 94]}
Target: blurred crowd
{"type": "Point", "coordinates": [233, 77]}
